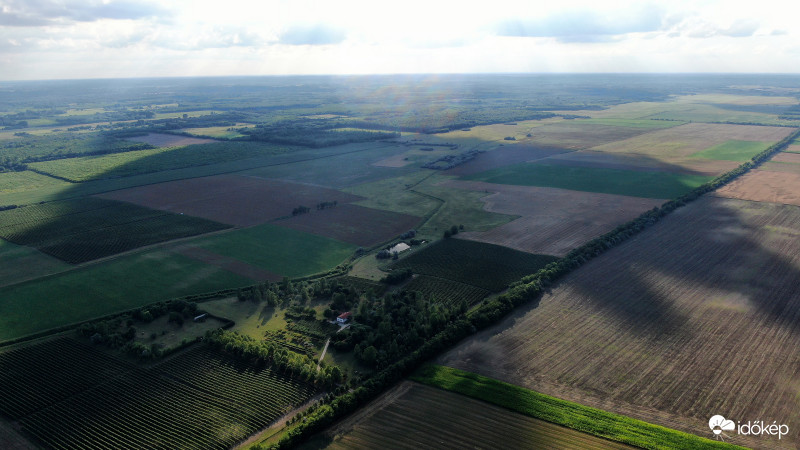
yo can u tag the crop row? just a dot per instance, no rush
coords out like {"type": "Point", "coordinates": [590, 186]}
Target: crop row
{"type": "Point", "coordinates": [86, 399]}
{"type": "Point", "coordinates": [446, 292]}
{"type": "Point", "coordinates": [37, 376]}
{"type": "Point", "coordinates": [486, 266]}
{"type": "Point", "coordinates": [76, 232]}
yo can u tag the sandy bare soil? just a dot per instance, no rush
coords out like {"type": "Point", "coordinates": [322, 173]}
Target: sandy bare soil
{"type": "Point", "coordinates": [169, 140]}
{"type": "Point", "coordinates": [764, 186]}
{"type": "Point", "coordinates": [698, 315]}
{"type": "Point", "coordinates": [553, 221]}
{"type": "Point", "coordinates": [232, 199]}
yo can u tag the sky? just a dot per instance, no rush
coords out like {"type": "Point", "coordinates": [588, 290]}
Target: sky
{"type": "Point", "coordinates": [63, 39]}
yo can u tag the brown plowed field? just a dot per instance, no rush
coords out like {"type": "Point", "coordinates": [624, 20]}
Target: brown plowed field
{"type": "Point", "coordinates": [690, 166]}
{"type": "Point", "coordinates": [786, 157]}
{"type": "Point", "coordinates": [227, 263]}
{"type": "Point", "coordinates": [685, 140]}
{"type": "Point", "coordinates": [554, 221]}
{"type": "Point", "coordinates": [169, 140]}
{"type": "Point", "coordinates": [504, 156]}
{"type": "Point", "coordinates": [770, 166]}
{"type": "Point", "coordinates": [696, 316]}
{"type": "Point", "coordinates": [231, 199]}
{"type": "Point", "coordinates": [354, 224]}
{"type": "Point", "coordinates": [793, 148]}
{"type": "Point", "coordinates": [764, 186]}
{"type": "Point", "coordinates": [414, 416]}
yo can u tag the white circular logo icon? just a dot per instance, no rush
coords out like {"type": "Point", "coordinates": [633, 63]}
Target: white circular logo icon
{"type": "Point", "coordinates": [718, 424]}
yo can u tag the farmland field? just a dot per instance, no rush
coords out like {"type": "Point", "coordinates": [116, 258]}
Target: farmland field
{"type": "Point", "coordinates": [689, 139]}
{"type": "Point", "coordinates": [553, 221]}
{"type": "Point", "coordinates": [626, 161]}
{"type": "Point", "coordinates": [168, 140]}
{"type": "Point", "coordinates": [77, 231]}
{"type": "Point", "coordinates": [195, 400]}
{"type": "Point", "coordinates": [26, 180]}
{"type": "Point", "coordinates": [504, 156]}
{"type": "Point", "coordinates": [447, 292]}
{"type": "Point", "coordinates": [21, 263]}
{"type": "Point", "coordinates": [232, 199]}
{"type": "Point", "coordinates": [280, 250]}
{"type": "Point", "coordinates": [126, 164]}
{"type": "Point", "coordinates": [667, 325]}
{"type": "Point", "coordinates": [576, 135]}
{"type": "Point", "coordinates": [486, 266]}
{"type": "Point", "coordinates": [96, 290]}
{"type": "Point", "coordinates": [733, 150]}
{"type": "Point", "coordinates": [355, 224]}
{"type": "Point", "coordinates": [428, 417]}
{"type": "Point", "coordinates": [765, 186]}
{"type": "Point", "coordinates": [637, 183]}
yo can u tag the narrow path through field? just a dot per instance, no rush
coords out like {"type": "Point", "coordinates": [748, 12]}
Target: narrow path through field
{"type": "Point", "coordinates": [323, 353]}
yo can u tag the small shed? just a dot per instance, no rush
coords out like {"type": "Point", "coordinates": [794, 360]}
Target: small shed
{"type": "Point", "coordinates": [344, 317]}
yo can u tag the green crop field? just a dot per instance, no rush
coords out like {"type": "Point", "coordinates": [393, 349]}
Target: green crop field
{"type": "Point", "coordinates": [594, 179]}
{"type": "Point", "coordinates": [26, 181]}
{"type": "Point", "coordinates": [739, 151]}
{"type": "Point", "coordinates": [279, 250]}
{"type": "Point", "coordinates": [485, 266]}
{"type": "Point", "coordinates": [393, 194]}
{"type": "Point", "coordinates": [447, 292]}
{"type": "Point", "coordinates": [18, 263]}
{"type": "Point", "coordinates": [97, 290]}
{"type": "Point", "coordinates": [126, 164]}
{"type": "Point", "coordinates": [573, 415]}
{"type": "Point", "coordinates": [68, 395]}
{"type": "Point", "coordinates": [77, 231]}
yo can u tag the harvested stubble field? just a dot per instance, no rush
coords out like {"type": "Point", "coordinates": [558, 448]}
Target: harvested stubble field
{"type": "Point", "coordinates": [690, 166]}
{"type": "Point", "coordinates": [686, 140]}
{"type": "Point", "coordinates": [504, 156]}
{"type": "Point", "coordinates": [771, 166]}
{"type": "Point", "coordinates": [553, 221]}
{"type": "Point", "coordinates": [764, 186]}
{"type": "Point", "coordinates": [696, 316]}
{"type": "Point", "coordinates": [415, 416]}
{"type": "Point", "coordinates": [355, 224]}
{"type": "Point", "coordinates": [168, 140]}
{"type": "Point", "coordinates": [233, 199]}
{"type": "Point", "coordinates": [786, 157]}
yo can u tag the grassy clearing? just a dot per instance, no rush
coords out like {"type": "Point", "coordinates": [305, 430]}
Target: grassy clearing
{"type": "Point", "coordinates": [486, 266]}
{"type": "Point", "coordinates": [608, 181]}
{"type": "Point", "coordinates": [393, 194]}
{"type": "Point", "coordinates": [154, 160]}
{"type": "Point", "coordinates": [280, 250]}
{"type": "Point", "coordinates": [573, 415]}
{"type": "Point", "coordinates": [99, 290]}
{"type": "Point", "coordinates": [11, 182]}
{"type": "Point", "coordinates": [734, 150]}
{"type": "Point", "coordinates": [459, 207]}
